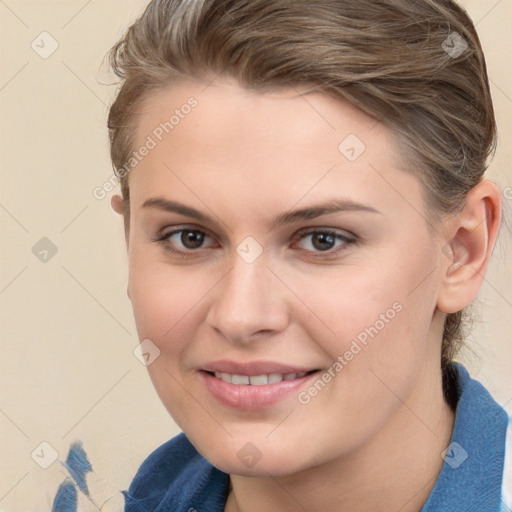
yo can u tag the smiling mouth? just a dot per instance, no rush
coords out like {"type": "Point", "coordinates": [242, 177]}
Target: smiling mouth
{"type": "Point", "coordinates": [263, 388]}
{"type": "Point", "coordinates": [258, 380]}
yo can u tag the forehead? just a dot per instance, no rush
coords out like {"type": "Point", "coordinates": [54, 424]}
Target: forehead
{"type": "Point", "coordinates": [277, 147]}
{"type": "Point", "coordinates": [224, 111]}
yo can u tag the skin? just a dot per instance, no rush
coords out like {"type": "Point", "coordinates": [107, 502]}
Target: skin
{"type": "Point", "coordinates": [373, 438]}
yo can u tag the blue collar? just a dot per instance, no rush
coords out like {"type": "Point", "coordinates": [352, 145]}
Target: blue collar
{"type": "Point", "coordinates": [472, 473]}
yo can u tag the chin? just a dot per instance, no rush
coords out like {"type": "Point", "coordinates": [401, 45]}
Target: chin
{"type": "Point", "coordinates": [252, 458]}
{"type": "Point", "coordinates": [275, 468]}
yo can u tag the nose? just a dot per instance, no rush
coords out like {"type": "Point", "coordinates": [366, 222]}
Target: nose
{"type": "Point", "coordinates": [248, 304]}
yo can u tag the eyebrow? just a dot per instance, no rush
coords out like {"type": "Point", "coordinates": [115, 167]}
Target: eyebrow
{"type": "Point", "coordinates": [174, 207]}
{"type": "Point", "coordinates": [311, 212]}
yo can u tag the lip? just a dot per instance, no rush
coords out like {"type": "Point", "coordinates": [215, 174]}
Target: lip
{"type": "Point", "coordinates": [248, 397]}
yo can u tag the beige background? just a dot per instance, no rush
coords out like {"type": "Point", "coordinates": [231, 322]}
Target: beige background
{"type": "Point", "coordinates": [67, 369]}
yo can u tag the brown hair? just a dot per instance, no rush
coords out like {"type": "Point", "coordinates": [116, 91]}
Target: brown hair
{"type": "Point", "coordinates": [418, 67]}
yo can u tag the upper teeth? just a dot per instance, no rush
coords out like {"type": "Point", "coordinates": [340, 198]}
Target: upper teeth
{"type": "Point", "coordinates": [257, 380]}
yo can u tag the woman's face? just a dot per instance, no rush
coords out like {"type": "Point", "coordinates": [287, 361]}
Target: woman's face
{"type": "Point", "coordinates": [273, 235]}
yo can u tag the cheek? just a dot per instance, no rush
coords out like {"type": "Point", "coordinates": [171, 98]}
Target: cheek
{"type": "Point", "coordinates": [341, 304]}
{"type": "Point", "coordinates": [163, 296]}
{"type": "Point", "coordinates": [375, 325]}
{"type": "Point", "coordinates": [165, 307]}
{"type": "Point", "coordinates": [376, 314]}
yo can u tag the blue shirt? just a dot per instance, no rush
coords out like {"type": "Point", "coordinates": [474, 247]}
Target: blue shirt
{"type": "Point", "coordinates": [476, 475]}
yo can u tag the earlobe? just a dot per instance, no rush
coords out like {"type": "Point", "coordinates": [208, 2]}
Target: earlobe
{"type": "Point", "coordinates": [469, 248]}
{"type": "Point", "coordinates": [117, 204]}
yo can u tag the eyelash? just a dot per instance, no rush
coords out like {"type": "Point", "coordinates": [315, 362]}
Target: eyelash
{"type": "Point", "coordinates": [164, 238]}
{"type": "Point", "coordinates": [347, 240]}
{"type": "Point", "coordinates": [191, 253]}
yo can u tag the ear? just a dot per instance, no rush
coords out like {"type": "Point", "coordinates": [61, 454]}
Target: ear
{"type": "Point", "coordinates": [469, 246]}
{"type": "Point", "coordinates": [117, 204]}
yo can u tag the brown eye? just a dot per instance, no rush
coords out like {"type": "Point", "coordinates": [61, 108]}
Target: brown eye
{"type": "Point", "coordinates": [192, 239]}
{"type": "Point", "coordinates": [323, 241]}
{"type": "Point", "coordinates": [185, 240]}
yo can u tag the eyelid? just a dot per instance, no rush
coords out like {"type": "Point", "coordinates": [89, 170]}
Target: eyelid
{"type": "Point", "coordinates": [334, 231]}
{"type": "Point", "coordinates": [168, 231]}
{"type": "Point", "coordinates": [163, 236]}
{"type": "Point", "coordinates": [347, 239]}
